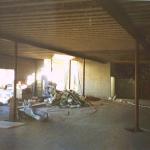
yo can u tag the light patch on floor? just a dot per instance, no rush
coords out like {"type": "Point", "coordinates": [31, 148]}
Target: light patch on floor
{"type": "Point", "coordinates": [8, 124]}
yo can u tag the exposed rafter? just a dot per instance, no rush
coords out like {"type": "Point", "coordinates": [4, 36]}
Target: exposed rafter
{"type": "Point", "coordinates": [117, 12]}
{"type": "Point", "coordinates": [48, 47]}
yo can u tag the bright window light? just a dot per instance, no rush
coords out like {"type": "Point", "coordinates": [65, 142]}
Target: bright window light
{"type": "Point", "coordinates": [62, 57]}
{"type": "Point", "coordinates": [31, 79]}
{"type": "Point", "coordinates": [6, 76]}
{"type": "Point", "coordinates": [46, 69]}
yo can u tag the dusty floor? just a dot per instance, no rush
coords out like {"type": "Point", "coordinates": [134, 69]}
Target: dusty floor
{"type": "Point", "coordinates": [82, 129]}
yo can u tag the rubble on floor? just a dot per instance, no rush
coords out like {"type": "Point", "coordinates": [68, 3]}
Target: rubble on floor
{"type": "Point", "coordinates": [69, 98]}
{"type": "Point", "coordinates": [50, 93]}
{"type": "Point", "coordinates": [27, 110]}
{"type": "Point", "coordinates": [92, 98]}
{"type": "Point", "coordinates": [115, 99]}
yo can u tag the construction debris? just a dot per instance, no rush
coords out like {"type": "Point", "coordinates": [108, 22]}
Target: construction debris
{"type": "Point", "coordinates": [92, 98]}
{"type": "Point", "coordinates": [28, 110]}
{"type": "Point", "coordinates": [27, 93]}
{"type": "Point", "coordinates": [70, 99]}
{"type": "Point", "coordinates": [50, 92]}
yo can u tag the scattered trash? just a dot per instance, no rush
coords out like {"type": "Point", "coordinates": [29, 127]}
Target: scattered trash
{"type": "Point", "coordinates": [34, 113]}
{"type": "Point", "coordinates": [92, 98]}
{"type": "Point", "coordinates": [112, 98]}
{"type": "Point", "coordinates": [27, 93]}
{"type": "Point", "coordinates": [50, 92]}
{"type": "Point", "coordinates": [70, 99]}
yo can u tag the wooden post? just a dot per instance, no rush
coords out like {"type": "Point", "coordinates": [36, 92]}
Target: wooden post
{"type": "Point", "coordinates": [83, 94]}
{"type": "Point", "coordinates": [137, 87]}
{"type": "Point", "coordinates": [69, 74]}
{"type": "Point", "coordinates": [13, 102]}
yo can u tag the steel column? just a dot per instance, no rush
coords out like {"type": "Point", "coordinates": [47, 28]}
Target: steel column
{"type": "Point", "coordinates": [51, 64]}
{"type": "Point", "coordinates": [137, 87]}
{"type": "Point", "coordinates": [35, 80]}
{"type": "Point", "coordinates": [13, 102]}
{"type": "Point", "coordinates": [69, 74]}
{"type": "Point", "coordinates": [83, 94]}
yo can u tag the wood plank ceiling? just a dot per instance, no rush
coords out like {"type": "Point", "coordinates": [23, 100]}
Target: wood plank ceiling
{"type": "Point", "coordinates": [80, 27]}
{"type": "Point", "coordinates": [139, 13]}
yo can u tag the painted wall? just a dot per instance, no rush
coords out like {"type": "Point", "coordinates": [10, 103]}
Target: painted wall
{"type": "Point", "coordinates": [97, 75]}
{"type": "Point", "coordinates": [125, 88]}
{"type": "Point", "coordinates": [97, 79]}
{"type": "Point", "coordinates": [25, 66]}
{"type": "Point", "coordinates": [124, 74]}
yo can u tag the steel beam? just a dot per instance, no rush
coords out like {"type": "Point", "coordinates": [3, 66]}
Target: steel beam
{"type": "Point", "coordinates": [115, 9]}
{"type": "Point", "coordinates": [50, 47]}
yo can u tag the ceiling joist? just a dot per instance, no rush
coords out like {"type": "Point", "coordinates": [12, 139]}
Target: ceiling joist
{"type": "Point", "coordinates": [114, 8]}
{"type": "Point", "coordinates": [48, 47]}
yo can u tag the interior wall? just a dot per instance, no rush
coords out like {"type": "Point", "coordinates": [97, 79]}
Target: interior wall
{"type": "Point", "coordinates": [124, 74]}
{"type": "Point", "coordinates": [97, 75]}
{"type": "Point", "coordinates": [25, 66]}
{"type": "Point", "coordinates": [97, 78]}
{"type": "Point", "coordinates": [125, 88]}
{"type": "Point", "coordinates": [38, 90]}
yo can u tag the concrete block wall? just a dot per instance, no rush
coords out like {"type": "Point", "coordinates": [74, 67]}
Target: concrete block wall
{"type": "Point", "coordinates": [97, 78]}
{"type": "Point", "coordinates": [97, 75]}
{"type": "Point", "coordinates": [25, 66]}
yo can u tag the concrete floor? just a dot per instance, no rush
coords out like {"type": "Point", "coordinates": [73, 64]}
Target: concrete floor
{"type": "Point", "coordinates": [83, 129]}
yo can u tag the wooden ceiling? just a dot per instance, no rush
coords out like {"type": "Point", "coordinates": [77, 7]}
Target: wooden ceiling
{"type": "Point", "coordinates": [82, 28]}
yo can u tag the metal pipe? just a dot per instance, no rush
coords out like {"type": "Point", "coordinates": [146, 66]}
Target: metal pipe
{"type": "Point", "coordinates": [83, 94]}
{"type": "Point", "coordinates": [137, 87]}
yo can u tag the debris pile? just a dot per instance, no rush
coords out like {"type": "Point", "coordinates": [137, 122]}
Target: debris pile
{"type": "Point", "coordinates": [34, 113]}
{"type": "Point", "coordinates": [70, 99]}
{"type": "Point", "coordinates": [50, 92]}
{"type": "Point", "coordinates": [92, 98]}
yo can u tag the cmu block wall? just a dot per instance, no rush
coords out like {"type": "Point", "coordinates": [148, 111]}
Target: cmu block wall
{"type": "Point", "coordinates": [25, 66]}
{"type": "Point", "coordinates": [97, 78]}
{"type": "Point", "coordinates": [97, 75]}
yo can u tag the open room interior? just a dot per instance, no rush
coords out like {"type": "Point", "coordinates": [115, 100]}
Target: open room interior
{"type": "Point", "coordinates": [74, 74]}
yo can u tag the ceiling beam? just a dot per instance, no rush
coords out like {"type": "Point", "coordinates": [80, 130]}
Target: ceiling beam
{"type": "Point", "coordinates": [50, 47]}
{"type": "Point", "coordinates": [115, 9]}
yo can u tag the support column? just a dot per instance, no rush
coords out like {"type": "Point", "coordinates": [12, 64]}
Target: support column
{"type": "Point", "coordinates": [83, 94]}
{"type": "Point", "coordinates": [13, 103]}
{"type": "Point", "coordinates": [51, 64]}
{"type": "Point", "coordinates": [51, 69]}
{"type": "Point", "coordinates": [137, 87]}
{"type": "Point", "coordinates": [113, 86]}
{"type": "Point", "coordinates": [35, 80]}
{"type": "Point", "coordinates": [69, 74]}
